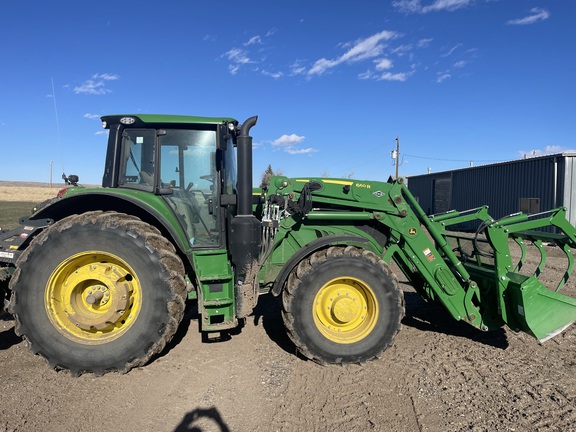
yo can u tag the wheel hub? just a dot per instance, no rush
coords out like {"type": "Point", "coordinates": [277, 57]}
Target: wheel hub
{"type": "Point", "coordinates": [98, 293]}
{"type": "Point", "coordinates": [91, 296]}
{"type": "Point", "coordinates": [102, 302]}
{"type": "Point", "coordinates": [345, 309]}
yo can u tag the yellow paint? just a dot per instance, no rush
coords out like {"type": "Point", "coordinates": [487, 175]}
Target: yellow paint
{"type": "Point", "coordinates": [93, 297]}
{"type": "Point", "coordinates": [345, 310]}
{"type": "Point", "coordinates": [338, 182]}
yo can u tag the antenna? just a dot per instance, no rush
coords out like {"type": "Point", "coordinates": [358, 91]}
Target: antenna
{"type": "Point", "coordinates": [57, 128]}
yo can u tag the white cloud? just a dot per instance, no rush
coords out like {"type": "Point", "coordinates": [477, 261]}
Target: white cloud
{"type": "Point", "coordinates": [424, 43]}
{"type": "Point", "coordinates": [443, 76]}
{"type": "Point", "coordinates": [91, 116]}
{"type": "Point", "coordinates": [292, 151]}
{"type": "Point", "coordinates": [401, 50]}
{"type": "Point", "coordinates": [383, 64]}
{"type": "Point", "coordinates": [363, 49]}
{"type": "Point", "coordinates": [297, 69]}
{"type": "Point", "coordinates": [400, 76]}
{"type": "Point", "coordinates": [537, 15]}
{"type": "Point", "coordinates": [96, 85]}
{"type": "Point", "coordinates": [366, 75]}
{"type": "Point", "coordinates": [254, 40]}
{"type": "Point", "coordinates": [386, 76]}
{"type": "Point", "coordinates": [106, 77]}
{"type": "Point", "coordinates": [461, 63]}
{"type": "Point", "coordinates": [274, 75]}
{"type": "Point", "coordinates": [550, 149]}
{"type": "Point", "coordinates": [415, 6]}
{"type": "Point", "coordinates": [238, 58]}
{"type": "Point", "coordinates": [288, 140]}
{"type": "Point", "coordinates": [451, 50]}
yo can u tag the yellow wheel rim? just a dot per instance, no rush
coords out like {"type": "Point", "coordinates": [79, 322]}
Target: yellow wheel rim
{"type": "Point", "coordinates": [345, 310]}
{"type": "Point", "coordinates": [93, 297]}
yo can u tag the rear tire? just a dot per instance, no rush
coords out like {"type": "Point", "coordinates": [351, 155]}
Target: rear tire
{"type": "Point", "coordinates": [98, 292]}
{"type": "Point", "coordinates": [342, 305]}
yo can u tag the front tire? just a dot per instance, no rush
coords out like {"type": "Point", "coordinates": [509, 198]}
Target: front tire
{"type": "Point", "coordinates": [98, 292]}
{"type": "Point", "coordinates": [342, 305]}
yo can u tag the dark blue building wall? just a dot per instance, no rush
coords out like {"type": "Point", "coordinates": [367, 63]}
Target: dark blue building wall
{"type": "Point", "coordinates": [500, 186]}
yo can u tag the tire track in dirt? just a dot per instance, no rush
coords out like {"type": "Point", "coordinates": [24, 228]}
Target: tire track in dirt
{"type": "Point", "coordinates": [492, 381]}
{"type": "Point", "coordinates": [344, 398]}
{"type": "Point", "coordinates": [440, 375]}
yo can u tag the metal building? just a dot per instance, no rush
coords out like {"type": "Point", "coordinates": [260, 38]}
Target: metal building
{"type": "Point", "coordinates": [530, 185]}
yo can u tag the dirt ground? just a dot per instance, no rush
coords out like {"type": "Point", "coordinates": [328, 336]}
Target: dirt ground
{"type": "Point", "coordinates": [440, 375]}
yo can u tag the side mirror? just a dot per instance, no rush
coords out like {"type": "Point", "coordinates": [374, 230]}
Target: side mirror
{"type": "Point", "coordinates": [222, 143]}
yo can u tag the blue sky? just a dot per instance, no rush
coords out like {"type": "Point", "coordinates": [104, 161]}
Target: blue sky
{"type": "Point", "coordinates": [333, 82]}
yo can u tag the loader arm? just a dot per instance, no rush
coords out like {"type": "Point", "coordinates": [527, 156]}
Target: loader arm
{"type": "Point", "coordinates": [486, 293]}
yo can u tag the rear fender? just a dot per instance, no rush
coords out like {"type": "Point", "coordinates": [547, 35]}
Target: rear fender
{"type": "Point", "coordinates": [81, 203]}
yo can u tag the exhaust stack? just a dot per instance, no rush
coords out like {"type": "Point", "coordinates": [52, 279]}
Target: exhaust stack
{"type": "Point", "coordinates": [245, 229]}
{"type": "Point", "coordinates": [244, 142]}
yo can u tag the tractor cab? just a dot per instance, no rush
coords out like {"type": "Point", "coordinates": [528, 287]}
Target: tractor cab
{"type": "Point", "coordinates": [189, 163]}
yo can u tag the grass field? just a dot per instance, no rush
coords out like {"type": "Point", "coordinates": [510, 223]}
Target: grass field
{"type": "Point", "coordinates": [12, 211]}
{"type": "Point", "coordinates": [18, 201]}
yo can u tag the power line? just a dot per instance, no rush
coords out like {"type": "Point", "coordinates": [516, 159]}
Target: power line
{"type": "Point", "coordinates": [452, 160]}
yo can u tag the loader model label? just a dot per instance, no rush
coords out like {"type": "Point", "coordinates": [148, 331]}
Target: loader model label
{"type": "Point", "coordinates": [363, 185]}
{"type": "Point", "coordinates": [8, 255]}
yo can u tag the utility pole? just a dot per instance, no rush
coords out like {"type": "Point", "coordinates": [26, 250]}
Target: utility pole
{"type": "Point", "coordinates": [397, 155]}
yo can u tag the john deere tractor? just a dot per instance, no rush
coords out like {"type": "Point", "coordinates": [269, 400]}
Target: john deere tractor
{"type": "Point", "coordinates": [99, 277]}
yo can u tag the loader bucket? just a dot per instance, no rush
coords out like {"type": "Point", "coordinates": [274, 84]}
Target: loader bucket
{"type": "Point", "coordinates": [535, 309]}
{"type": "Point", "coordinates": [522, 265]}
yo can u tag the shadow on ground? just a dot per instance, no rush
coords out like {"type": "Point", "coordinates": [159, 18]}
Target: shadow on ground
{"type": "Point", "coordinates": [8, 339]}
{"type": "Point", "coordinates": [431, 317]}
{"type": "Point", "coordinates": [210, 416]}
{"type": "Point", "coordinates": [268, 311]}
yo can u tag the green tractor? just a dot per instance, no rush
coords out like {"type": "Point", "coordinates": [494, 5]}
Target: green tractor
{"type": "Point", "coordinates": [97, 278]}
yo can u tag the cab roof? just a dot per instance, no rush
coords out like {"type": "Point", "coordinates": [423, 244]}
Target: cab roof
{"type": "Point", "coordinates": [139, 119]}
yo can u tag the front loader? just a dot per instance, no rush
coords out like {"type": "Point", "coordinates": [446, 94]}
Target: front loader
{"type": "Point", "coordinates": [99, 277]}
